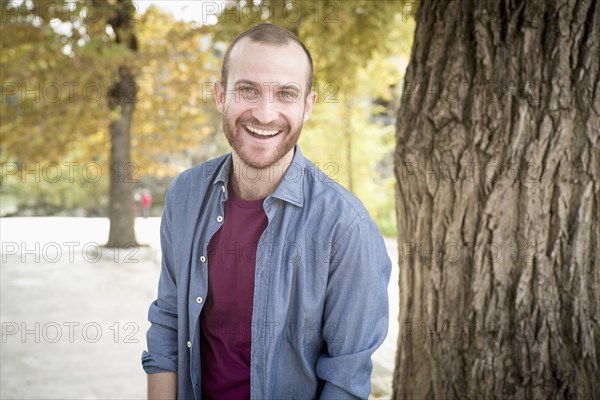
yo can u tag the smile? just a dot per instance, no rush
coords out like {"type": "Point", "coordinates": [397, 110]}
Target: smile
{"type": "Point", "coordinates": [261, 133]}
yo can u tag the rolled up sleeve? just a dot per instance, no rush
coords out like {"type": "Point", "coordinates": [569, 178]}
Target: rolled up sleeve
{"type": "Point", "coordinates": [355, 320]}
{"type": "Point", "coordinates": [161, 355]}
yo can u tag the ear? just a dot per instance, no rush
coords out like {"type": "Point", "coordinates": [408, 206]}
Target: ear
{"type": "Point", "coordinates": [219, 91]}
{"type": "Point", "coordinates": [309, 104]}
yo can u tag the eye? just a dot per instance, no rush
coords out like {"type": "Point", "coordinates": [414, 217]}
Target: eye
{"type": "Point", "coordinates": [249, 93]}
{"type": "Point", "coordinates": [288, 95]}
{"type": "Point", "coordinates": [248, 90]}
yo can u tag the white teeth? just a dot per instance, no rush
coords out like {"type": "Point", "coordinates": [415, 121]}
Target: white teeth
{"type": "Point", "coordinates": [261, 132]}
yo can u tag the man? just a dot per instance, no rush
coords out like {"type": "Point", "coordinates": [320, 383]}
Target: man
{"type": "Point", "coordinates": [274, 277]}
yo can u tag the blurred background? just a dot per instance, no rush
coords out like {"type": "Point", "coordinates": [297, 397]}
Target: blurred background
{"type": "Point", "coordinates": [61, 87]}
{"type": "Point", "coordinates": [103, 103]}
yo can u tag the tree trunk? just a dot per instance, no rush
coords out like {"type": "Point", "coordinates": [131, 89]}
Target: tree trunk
{"type": "Point", "coordinates": [498, 201]}
{"type": "Point", "coordinates": [122, 171]}
{"type": "Point", "coordinates": [123, 95]}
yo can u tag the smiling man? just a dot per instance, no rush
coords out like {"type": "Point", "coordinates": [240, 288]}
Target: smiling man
{"type": "Point", "coordinates": [274, 277]}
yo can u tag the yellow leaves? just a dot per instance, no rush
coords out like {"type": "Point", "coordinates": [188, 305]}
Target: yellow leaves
{"type": "Point", "coordinates": [206, 130]}
{"type": "Point", "coordinates": [359, 51]}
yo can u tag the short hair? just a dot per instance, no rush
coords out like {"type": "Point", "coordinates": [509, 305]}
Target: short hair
{"type": "Point", "coordinates": [267, 33]}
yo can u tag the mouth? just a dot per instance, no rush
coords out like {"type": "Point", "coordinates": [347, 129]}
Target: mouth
{"type": "Point", "coordinates": [261, 133]}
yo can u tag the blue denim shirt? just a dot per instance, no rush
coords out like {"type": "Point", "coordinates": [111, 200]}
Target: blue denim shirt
{"type": "Point", "coordinates": [320, 299]}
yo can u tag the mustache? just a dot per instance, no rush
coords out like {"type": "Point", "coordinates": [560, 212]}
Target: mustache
{"type": "Point", "coordinates": [257, 124]}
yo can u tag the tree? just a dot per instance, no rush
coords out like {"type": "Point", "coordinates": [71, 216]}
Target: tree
{"type": "Point", "coordinates": [72, 74]}
{"type": "Point", "coordinates": [122, 98]}
{"type": "Point", "coordinates": [498, 202]}
{"type": "Point", "coordinates": [48, 79]}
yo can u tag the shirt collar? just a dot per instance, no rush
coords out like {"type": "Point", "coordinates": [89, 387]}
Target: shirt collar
{"type": "Point", "coordinates": [290, 187]}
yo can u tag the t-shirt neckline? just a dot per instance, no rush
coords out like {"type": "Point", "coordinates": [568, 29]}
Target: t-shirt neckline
{"type": "Point", "coordinates": [242, 203]}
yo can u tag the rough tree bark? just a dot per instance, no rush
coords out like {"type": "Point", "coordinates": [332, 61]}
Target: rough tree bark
{"type": "Point", "coordinates": [498, 200]}
{"type": "Point", "coordinates": [122, 95]}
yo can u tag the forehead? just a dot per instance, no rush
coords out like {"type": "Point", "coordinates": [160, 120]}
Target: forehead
{"type": "Point", "coordinates": [266, 63]}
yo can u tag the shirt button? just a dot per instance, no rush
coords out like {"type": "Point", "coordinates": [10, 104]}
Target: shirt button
{"type": "Point", "coordinates": [198, 300]}
{"type": "Point", "coordinates": [219, 219]}
{"type": "Point", "coordinates": [223, 188]}
{"type": "Point", "coordinates": [189, 344]}
{"type": "Point", "coordinates": [202, 259]}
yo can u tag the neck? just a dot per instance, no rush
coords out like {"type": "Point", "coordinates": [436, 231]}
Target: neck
{"type": "Point", "coordinates": [252, 183]}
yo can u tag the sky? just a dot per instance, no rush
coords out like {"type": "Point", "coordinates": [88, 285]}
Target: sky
{"type": "Point", "coordinates": [202, 11]}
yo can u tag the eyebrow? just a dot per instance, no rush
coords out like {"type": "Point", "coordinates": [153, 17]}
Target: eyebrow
{"type": "Point", "coordinates": [288, 86]}
{"type": "Point", "coordinates": [245, 82]}
{"type": "Point", "coordinates": [295, 88]}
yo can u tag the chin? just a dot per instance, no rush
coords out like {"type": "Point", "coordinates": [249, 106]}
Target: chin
{"type": "Point", "coordinates": [260, 163]}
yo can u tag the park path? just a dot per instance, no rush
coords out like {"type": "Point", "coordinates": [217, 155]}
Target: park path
{"type": "Point", "coordinates": [74, 315]}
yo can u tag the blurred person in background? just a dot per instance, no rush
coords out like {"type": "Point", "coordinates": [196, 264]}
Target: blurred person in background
{"type": "Point", "coordinates": [146, 202]}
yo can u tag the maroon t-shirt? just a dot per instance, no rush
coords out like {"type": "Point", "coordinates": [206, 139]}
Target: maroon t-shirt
{"type": "Point", "coordinates": [226, 317]}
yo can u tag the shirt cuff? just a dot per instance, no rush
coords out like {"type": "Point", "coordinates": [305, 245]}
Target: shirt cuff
{"type": "Point", "coordinates": [155, 363]}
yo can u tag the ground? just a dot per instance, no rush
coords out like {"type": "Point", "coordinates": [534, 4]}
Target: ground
{"type": "Point", "coordinates": [73, 314]}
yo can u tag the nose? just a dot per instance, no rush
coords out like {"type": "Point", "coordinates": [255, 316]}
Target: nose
{"type": "Point", "coordinates": [265, 110]}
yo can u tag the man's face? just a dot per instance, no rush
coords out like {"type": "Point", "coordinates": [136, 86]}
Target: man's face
{"type": "Point", "coordinates": [264, 105]}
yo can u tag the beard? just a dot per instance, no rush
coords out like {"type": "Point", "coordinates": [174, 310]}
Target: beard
{"type": "Point", "coordinates": [286, 141]}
